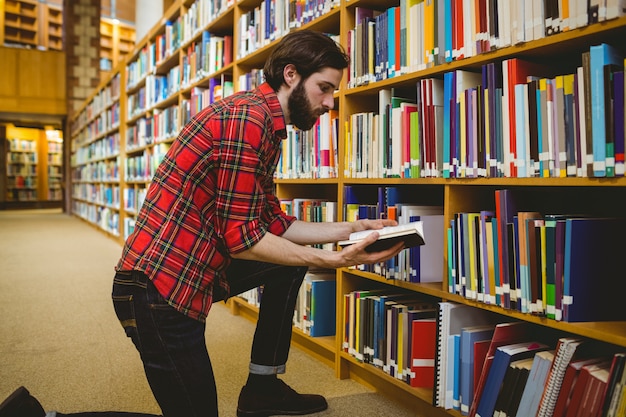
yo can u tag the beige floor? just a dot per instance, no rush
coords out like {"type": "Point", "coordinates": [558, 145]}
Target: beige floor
{"type": "Point", "coordinates": [59, 336]}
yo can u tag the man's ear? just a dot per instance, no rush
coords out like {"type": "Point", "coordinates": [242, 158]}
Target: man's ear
{"type": "Point", "coordinates": [290, 74]}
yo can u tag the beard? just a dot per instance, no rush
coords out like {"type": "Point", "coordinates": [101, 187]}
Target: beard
{"type": "Point", "coordinates": [300, 112]}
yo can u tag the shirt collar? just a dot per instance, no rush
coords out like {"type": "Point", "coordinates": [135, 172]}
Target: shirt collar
{"type": "Point", "coordinates": [276, 110]}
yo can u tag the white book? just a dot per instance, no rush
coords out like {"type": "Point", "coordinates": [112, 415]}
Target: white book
{"type": "Point", "coordinates": [412, 234]}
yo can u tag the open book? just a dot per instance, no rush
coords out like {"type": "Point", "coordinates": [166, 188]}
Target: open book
{"type": "Point", "coordinates": [412, 234]}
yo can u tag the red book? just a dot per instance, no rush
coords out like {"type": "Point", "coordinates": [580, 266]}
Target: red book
{"type": "Point", "coordinates": [615, 375]}
{"type": "Point", "coordinates": [504, 334]}
{"type": "Point", "coordinates": [423, 351]}
{"type": "Point", "coordinates": [481, 348]}
{"type": "Point", "coordinates": [457, 30]}
{"type": "Point", "coordinates": [567, 386]}
{"type": "Point", "coordinates": [598, 384]}
{"type": "Point", "coordinates": [582, 389]}
{"type": "Point", "coordinates": [228, 49]}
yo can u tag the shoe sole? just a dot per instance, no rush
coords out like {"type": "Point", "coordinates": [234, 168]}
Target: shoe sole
{"type": "Point", "coordinates": [267, 413]}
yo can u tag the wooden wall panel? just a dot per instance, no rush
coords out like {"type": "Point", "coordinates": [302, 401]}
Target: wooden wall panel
{"type": "Point", "coordinates": [35, 81]}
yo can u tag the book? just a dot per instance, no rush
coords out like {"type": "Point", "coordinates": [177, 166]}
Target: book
{"type": "Point", "coordinates": [424, 335]}
{"type": "Point", "coordinates": [322, 304]}
{"type": "Point", "coordinates": [584, 389]}
{"type": "Point", "coordinates": [617, 401]}
{"type": "Point", "coordinates": [503, 357]}
{"type": "Point", "coordinates": [600, 55]}
{"type": "Point", "coordinates": [469, 337]}
{"type": "Point", "coordinates": [615, 375]}
{"type": "Point", "coordinates": [529, 403]}
{"type": "Point", "coordinates": [509, 384]}
{"type": "Point", "coordinates": [593, 249]}
{"type": "Point", "coordinates": [504, 334]}
{"type": "Point", "coordinates": [451, 318]}
{"type": "Point", "coordinates": [565, 351]}
{"type": "Point", "coordinates": [567, 385]}
{"type": "Point", "coordinates": [411, 234]}
{"type": "Point", "coordinates": [524, 366]}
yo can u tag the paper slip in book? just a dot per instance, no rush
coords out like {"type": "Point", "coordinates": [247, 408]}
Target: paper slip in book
{"type": "Point", "coordinates": [412, 234]}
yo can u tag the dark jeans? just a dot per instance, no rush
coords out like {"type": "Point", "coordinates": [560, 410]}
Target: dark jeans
{"type": "Point", "coordinates": [172, 346]}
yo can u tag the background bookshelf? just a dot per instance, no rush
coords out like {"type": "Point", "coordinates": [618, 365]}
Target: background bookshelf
{"type": "Point", "coordinates": [32, 24]}
{"type": "Point", "coordinates": [124, 128]}
{"type": "Point", "coordinates": [117, 39]}
{"type": "Point", "coordinates": [52, 27]}
{"type": "Point", "coordinates": [33, 159]}
{"type": "Point", "coordinates": [21, 22]}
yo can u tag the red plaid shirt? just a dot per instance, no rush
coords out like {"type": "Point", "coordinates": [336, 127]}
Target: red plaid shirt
{"type": "Point", "coordinates": [212, 196]}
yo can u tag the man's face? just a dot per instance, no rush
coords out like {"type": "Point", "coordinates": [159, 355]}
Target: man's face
{"type": "Point", "coordinates": [313, 97]}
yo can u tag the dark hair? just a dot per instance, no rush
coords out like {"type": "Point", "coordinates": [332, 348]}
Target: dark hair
{"type": "Point", "coordinates": [308, 50]}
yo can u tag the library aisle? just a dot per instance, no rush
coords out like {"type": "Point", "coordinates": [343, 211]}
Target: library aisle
{"type": "Point", "coordinates": [60, 338]}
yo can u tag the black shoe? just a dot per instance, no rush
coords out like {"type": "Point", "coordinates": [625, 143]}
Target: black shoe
{"type": "Point", "coordinates": [283, 401]}
{"type": "Point", "coordinates": [21, 404]}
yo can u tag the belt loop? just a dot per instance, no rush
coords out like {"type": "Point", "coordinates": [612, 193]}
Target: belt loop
{"type": "Point", "coordinates": [139, 277]}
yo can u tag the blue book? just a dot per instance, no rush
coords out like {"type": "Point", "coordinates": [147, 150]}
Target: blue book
{"type": "Point", "coordinates": [592, 286]}
{"type": "Point", "coordinates": [502, 359]}
{"type": "Point", "coordinates": [323, 307]}
{"type": "Point", "coordinates": [469, 336]}
{"type": "Point", "coordinates": [448, 101]}
{"type": "Point", "coordinates": [600, 55]}
{"type": "Point", "coordinates": [520, 129]}
{"type": "Point", "coordinates": [535, 384]}
{"type": "Point", "coordinates": [454, 363]}
{"type": "Point", "coordinates": [391, 41]}
{"type": "Point", "coordinates": [204, 59]}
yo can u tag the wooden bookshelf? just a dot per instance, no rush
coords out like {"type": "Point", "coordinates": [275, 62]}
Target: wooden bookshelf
{"type": "Point", "coordinates": [31, 24]}
{"type": "Point", "coordinates": [52, 27]}
{"type": "Point", "coordinates": [32, 173]}
{"type": "Point", "coordinates": [117, 39]}
{"type": "Point", "coordinates": [115, 171]}
{"type": "Point", "coordinates": [20, 22]}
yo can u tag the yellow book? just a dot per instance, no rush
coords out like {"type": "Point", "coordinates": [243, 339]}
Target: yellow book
{"type": "Point", "coordinates": [565, 23]}
{"type": "Point", "coordinates": [560, 162]}
{"type": "Point", "coordinates": [541, 305]}
{"type": "Point", "coordinates": [491, 265]}
{"type": "Point", "coordinates": [347, 150]}
{"type": "Point", "coordinates": [473, 250]}
{"type": "Point", "coordinates": [429, 32]}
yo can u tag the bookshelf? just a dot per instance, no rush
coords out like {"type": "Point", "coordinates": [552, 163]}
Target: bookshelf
{"type": "Point", "coordinates": [33, 172]}
{"type": "Point", "coordinates": [52, 27]}
{"type": "Point", "coordinates": [54, 140]}
{"type": "Point", "coordinates": [21, 22]}
{"type": "Point", "coordinates": [161, 83]}
{"type": "Point", "coordinates": [117, 39]}
{"type": "Point", "coordinates": [32, 24]}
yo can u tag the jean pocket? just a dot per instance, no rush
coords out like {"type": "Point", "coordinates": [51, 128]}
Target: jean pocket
{"type": "Point", "coordinates": [125, 311]}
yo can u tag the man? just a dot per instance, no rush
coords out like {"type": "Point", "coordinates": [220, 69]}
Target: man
{"type": "Point", "coordinates": [211, 227]}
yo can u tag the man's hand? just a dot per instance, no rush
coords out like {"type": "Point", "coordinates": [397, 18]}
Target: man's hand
{"type": "Point", "coordinates": [356, 254]}
{"type": "Point", "coordinates": [368, 224]}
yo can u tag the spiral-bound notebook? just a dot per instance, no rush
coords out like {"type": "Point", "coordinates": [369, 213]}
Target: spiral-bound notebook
{"type": "Point", "coordinates": [452, 318]}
